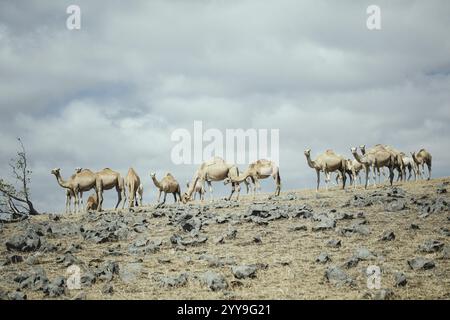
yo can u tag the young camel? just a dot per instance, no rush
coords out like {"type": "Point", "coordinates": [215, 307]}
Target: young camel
{"type": "Point", "coordinates": [199, 188]}
{"type": "Point", "coordinates": [92, 202]}
{"type": "Point", "coordinates": [133, 183]}
{"type": "Point", "coordinates": [421, 158]}
{"type": "Point", "coordinates": [256, 171]}
{"type": "Point", "coordinates": [168, 184]}
{"type": "Point", "coordinates": [215, 169]}
{"type": "Point", "coordinates": [327, 162]}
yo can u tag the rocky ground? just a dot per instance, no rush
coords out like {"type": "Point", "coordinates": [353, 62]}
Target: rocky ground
{"type": "Point", "coordinates": [300, 245]}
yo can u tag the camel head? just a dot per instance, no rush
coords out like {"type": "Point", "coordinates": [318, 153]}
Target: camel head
{"type": "Point", "coordinates": [353, 150]}
{"type": "Point", "coordinates": [153, 175]}
{"type": "Point", "coordinates": [307, 152]}
{"type": "Point", "coordinates": [185, 198]}
{"type": "Point", "coordinates": [56, 171]}
{"type": "Point", "coordinates": [78, 169]}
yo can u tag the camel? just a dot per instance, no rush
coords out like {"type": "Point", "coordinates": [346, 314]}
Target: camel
{"type": "Point", "coordinates": [108, 179]}
{"type": "Point", "coordinates": [92, 202]}
{"type": "Point", "coordinates": [410, 164]}
{"type": "Point", "coordinates": [327, 162]}
{"type": "Point", "coordinates": [133, 183]}
{"type": "Point", "coordinates": [199, 188]}
{"type": "Point", "coordinates": [353, 170]}
{"type": "Point", "coordinates": [421, 158]}
{"type": "Point", "coordinates": [69, 196]}
{"type": "Point", "coordinates": [82, 181]}
{"type": "Point", "coordinates": [398, 163]}
{"type": "Point", "coordinates": [256, 171]}
{"type": "Point", "coordinates": [375, 158]}
{"type": "Point", "coordinates": [168, 184]}
{"type": "Point", "coordinates": [215, 169]}
{"type": "Point", "coordinates": [140, 194]}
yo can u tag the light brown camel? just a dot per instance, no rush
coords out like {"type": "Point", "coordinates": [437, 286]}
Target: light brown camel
{"type": "Point", "coordinates": [92, 202]}
{"type": "Point", "coordinates": [260, 169]}
{"type": "Point", "coordinates": [375, 159]}
{"type": "Point", "coordinates": [353, 169]}
{"type": "Point", "coordinates": [82, 181]}
{"type": "Point", "coordinates": [421, 158]}
{"type": "Point", "coordinates": [199, 188]}
{"type": "Point", "coordinates": [133, 182]}
{"type": "Point", "coordinates": [108, 179]}
{"type": "Point", "coordinates": [215, 169]}
{"type": "Point", "coordinates": [168, 184]}
{"type": "Point", "coordinates": [327, 162]}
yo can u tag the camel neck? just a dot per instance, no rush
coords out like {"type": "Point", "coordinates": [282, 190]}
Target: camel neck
{"type": "Point", "coordinates": [311, 163]}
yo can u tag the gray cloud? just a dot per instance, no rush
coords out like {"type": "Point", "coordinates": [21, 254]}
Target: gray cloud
{"type": "Point", "coordinates": [111, 94]}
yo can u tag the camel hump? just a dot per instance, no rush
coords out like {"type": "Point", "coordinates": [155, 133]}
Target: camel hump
{"type": "Point", "coordinates": [329, 151]}
{"type": "Point", "coordinates": [168, 174]}
{"type": "Point", "coordinates": [422, 150]}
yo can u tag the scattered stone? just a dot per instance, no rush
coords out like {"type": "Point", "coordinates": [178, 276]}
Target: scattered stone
{"type": "Point", "coordinates": [88, 279]}
{"type": "Point", "coordinates": [388, 236]}
{"type": "Point", "coordinates": [80, 296]}
{"type": "Point", "coordinates": [164, 260]}
{"type": "Point", "coordinates": [214, 281]}
{"type": "Point", "coordinates": [441, 189]}
{"type": "Point", "coordinates": [400, 279]}
{"type": "Point", "coordinates": [431, 246]}
{"type": "Point", "coordinates": [323, 258]}
{"type": "Point", "coordinates": [446, 252]}
{"type": "Point", "coordinates": [445, 231]}
{"type": "Point", "coordinates": [54, 217]}
{"type": "Point", "coordinates": [13, 259]}
{"type": "Point", "coordinates": [174, 281]}
{"type": "Point", "coordinates": [364, 254]}
{"type": "Point", "coordinates": [421, 264]}
{"type": "Point", "coordinates": [231, 234]}
{"type": "Point", "coordinates": [325, 224]}
{"type": "Point", "coordinates": [334, 243]}
{"type": "Point", "coordinates": [257, 239]}
{"type": "Point", "coordinates": [108, 289]}
{"type": "Point", "coordinates": [67, 260]}
{"type": "Point", "coordinates": [30, 241]}
{"type": "Point", "coordinates": [36, 279]}
{"type": "Point", "coordinates": [414, 226]}
{"type": "Point", "coordinates": [245, 271]}
{"type": "Point", "coordinates": [17, 295]}
{"type": "Point", "coordinates": [395, 205]}
{"type": "Point", "coordinates": [56, 288]}
{"type": "Point", "coordinates": [219, 239]}
{"type": "Point", "coordinates": [337, 276]}
{"type": "Point", "coordinates": [299, 228]}
{"type": "Point", "coordinates": [351, 263]}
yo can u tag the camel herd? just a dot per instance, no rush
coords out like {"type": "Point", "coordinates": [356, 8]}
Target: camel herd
{"type": "Point", "coordinates": [372, 160]}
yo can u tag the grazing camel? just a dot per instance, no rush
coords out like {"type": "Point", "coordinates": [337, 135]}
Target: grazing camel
{"type": "Point", "coordinates": [199, 188]}
{"type": "Point", "coordinates": [92, 202]}
{"type": "Point", "coordinates": [421, 158]}
{"type": "Point", "coordinates": [327, 162]}
{"type": "Point", "coordinates": [168, 184]}
{"type": "Point", "coordinates": [78, 183]}
{"type": "Point", "coordinates": [215, 169]}
{"type": "Point", "coordinates": [108, 179]}
{"type": "Point", "coordinates": [133, 182]}
{"type": "Point", "coordinates": [256, 171]}
{"type": "Point", "coordinates": [376, 158]}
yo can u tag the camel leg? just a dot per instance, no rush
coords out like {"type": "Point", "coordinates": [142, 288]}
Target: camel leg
{"type": "Point", "coordinates": [175, 196]}
{"type": "Point", "coordinates": [81, 200]}
{"type": "Point", "coordinates": [318, 180]}
{"type": "Point", "coordinates": [344, 179]}
{"type": "Point", "coordinates": [391, 175]}
{"type": "Point", "coordinates": [278, 184]}
{"type": "Point", "coordinates": [159, 196]}
{"type": "Point", "coordinates": [210, 190]}
{"type": "Point", "coordinates": [374, 176]}
{"type": "Point", "coordinates": [238, 190]}
{"type": "Point", "coordinates": [429, 170]}
{"type": "Point", "coordinates": [99, 197]}
{"type": "Point", "coordinates": [233, 187]}
{"type": "Point", "coordinates": [119, 197]}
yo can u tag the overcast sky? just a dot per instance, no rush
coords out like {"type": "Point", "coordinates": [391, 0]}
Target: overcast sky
{"type": "Point", "coordinates": [111, 93]}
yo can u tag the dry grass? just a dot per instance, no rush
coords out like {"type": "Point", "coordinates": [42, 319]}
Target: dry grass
{"type": "Point", "coordinates": [292, 272]}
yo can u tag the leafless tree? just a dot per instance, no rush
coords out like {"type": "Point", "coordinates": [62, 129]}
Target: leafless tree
{"type": "Point", "coordinates": [15, 198]}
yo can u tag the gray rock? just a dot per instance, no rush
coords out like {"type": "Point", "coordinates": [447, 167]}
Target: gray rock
{"type": "Point", "coordinates": [430, 246]}
{"type": "Point", "coordinates": [88, 279]}
{"type": "Point", "coordinates": [323, 258]}
{"type": "Point", "coordinates": [334, 243]}
{"type": "Point", "coordinates": [231, 234]}
{"type": "Point", "coordinates": [13, 259]}
{"type": "Point", "coordinates": [337, 276]}
{"type": "Point", "coordinates": [56, 288]}
{"type": "Point", "coordinates": [67, 260]}
{"type": "Point", "coordinates": [244, 271]}
{"type": "Point", "coordinates": [421, 264]}
{"type": "Point", "coordinates": [17, 295]}
{"type": "Point", "coordinates": [108, 289]}
{"type": "Point", "coordinates": [446, 252]}
{"type": "Point", "coordinates": [299, 228]}
{"type": "Point", "coordinates": [214, 281]}
{"type": "Point", "coordinates": [174, 281]}
{"type": "Point", "coordinates": [388, 236]}
{"type": "Point", "coordinates": [351, 263]}
{"type": "Point", "coordinates": [36, 279]}
{"type": "Point", "coordinates": [400, 279]}
{"type": "Point", "coordinates": [364, 254]}
{"type": "Point", "coordinates": [325, 224]}
{"type": "Point", "coordinates": [394, 206]}
{"type": "Point", "coordinates": [80, 296]}
{"type": "Point", "coordinates": [414, 226]}
{"type": "Point", "coordinates": [257, 239]}
{"type": "Point", "coordinates": [445, 231]}
{"type": "Point", "coordinates": [30, 241]}
{"type": "Point", "coordinates": [355, 229]}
